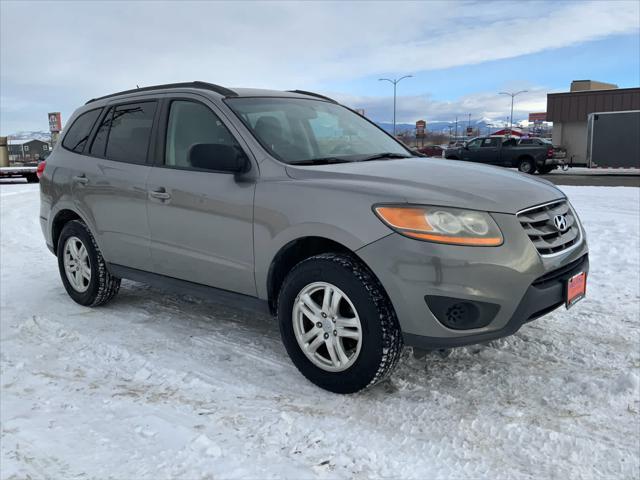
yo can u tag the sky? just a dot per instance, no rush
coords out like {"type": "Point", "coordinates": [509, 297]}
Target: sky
{"type": "Point", "coordinates": [54, 56]}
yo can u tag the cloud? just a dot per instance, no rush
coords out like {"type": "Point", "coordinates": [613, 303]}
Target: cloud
{"type": "Point", "coordinates": [488, 105]}
{"type": "Point", "coordinates": [62, 53]}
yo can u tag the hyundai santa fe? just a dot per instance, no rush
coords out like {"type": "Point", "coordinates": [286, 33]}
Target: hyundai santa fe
{"type": "Point", "coordinates": [291, 203]}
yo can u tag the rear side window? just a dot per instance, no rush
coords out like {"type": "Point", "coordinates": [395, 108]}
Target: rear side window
{"type": "Point", "coordinates": [78, 134]}
{"type": "Point", "coordinates": [130, 132]}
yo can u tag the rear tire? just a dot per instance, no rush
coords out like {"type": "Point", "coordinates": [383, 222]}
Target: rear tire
{"type": "Point", "coordinates": [32, 178]}
{"type": "Point", "coordinates": [546, 169]}
{"type": "Point", "coordinates": [98, 286]}
{"type": "Point", "coordinates": [527, 165]}
{"type": "Point", "coordinates": [370, 358]}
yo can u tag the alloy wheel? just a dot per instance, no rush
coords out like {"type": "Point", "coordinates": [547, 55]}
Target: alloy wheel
{"type": "Point", "coordinates": [327, 326]}
{"type": "Point", "coordinates": [77, 265]}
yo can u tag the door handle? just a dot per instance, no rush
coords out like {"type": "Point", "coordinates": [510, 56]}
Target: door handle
{"type": "Point", "coordinates": [160, 194]}
{"type": "Point", "coordinates": [81, 179]}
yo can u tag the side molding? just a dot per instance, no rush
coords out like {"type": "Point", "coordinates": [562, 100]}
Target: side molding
{"type": "Point", "coordinates": [174, 285]}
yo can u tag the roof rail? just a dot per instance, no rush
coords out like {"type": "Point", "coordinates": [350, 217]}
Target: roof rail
{"type": "Point", "coordinates": [312, 94]}
{"type": "Point", "coordinates": [197, 84]}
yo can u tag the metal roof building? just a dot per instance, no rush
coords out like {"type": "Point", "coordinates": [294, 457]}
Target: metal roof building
{"type": "Point", "coordinates": [573, 112]}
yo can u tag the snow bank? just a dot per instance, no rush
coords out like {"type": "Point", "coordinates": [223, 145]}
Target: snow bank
{"type": "Point", "coordinates": [161, 386]}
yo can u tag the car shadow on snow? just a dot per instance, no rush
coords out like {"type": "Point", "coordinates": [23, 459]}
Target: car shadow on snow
{"type": "Point", "coordinates": [492, 373]}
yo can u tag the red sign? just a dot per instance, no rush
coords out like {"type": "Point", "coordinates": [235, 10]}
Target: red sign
{"type": "Point", "coordinates": [55, 122]}
{"type": "Point", "coordinates": [538, 117]}
{"type": "Point", "coordinates": [421, 125]}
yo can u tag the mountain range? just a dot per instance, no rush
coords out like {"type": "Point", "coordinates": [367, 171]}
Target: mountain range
{"type": "Point", "coordinates": [484, 124]}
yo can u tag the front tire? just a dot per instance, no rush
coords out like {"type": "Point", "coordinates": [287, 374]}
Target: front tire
{"type": "Point", "coordinates": [337, 323]}
{"type": "Point", "coordinates": [82, 268]}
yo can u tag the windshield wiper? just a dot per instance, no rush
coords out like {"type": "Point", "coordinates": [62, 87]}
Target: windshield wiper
{"type": "Point", "coordinates": [378, 156]}
{"type": "Point", "coordinates": [320, 161]}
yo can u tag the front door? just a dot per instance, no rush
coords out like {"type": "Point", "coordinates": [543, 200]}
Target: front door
{"type": "Point", "coordinates": [201, 221]}
{"type": "Point", "coordinates": [489, 151]}
{"type": "Point", "coordinates": [471, 152]}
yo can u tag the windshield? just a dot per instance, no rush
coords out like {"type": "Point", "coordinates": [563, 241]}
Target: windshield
{"type": "Point", "coordinates": [298, 130]}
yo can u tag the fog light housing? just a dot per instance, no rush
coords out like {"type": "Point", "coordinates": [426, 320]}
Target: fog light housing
{"type": "Point", "coordinates": [461, 314]}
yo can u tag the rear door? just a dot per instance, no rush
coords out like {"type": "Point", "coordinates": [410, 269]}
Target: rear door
{"type": "Point", "coordinates": [111, 189]}
{"type": "Point", "coordinates": [201, 221]}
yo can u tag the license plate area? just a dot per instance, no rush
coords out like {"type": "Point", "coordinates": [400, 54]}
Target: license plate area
{"type": "Point", "coordinates": [576, 289]}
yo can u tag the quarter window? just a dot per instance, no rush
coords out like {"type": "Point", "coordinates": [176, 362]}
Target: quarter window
{"type": "Point", "coordinates": [100, 140]}
{"type": "Point", "coordinates": [192, 123]}
{"type": "Point", "coordinates": [78, 134]}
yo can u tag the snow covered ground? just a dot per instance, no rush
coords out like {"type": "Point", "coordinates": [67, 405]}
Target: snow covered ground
{"type": "Point", "coordinates": [156, 386]}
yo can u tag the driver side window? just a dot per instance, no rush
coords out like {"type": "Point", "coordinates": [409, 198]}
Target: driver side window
{"type": "Point", "coordinates": [490, 142]}
{"type": "Point", "coordinates": [474, 143]}
{"type": "Point", "coordinates": [192, 123]}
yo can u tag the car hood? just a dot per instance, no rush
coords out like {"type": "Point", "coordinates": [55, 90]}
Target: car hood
{"type": "Point", "coordinates": [435, 182]}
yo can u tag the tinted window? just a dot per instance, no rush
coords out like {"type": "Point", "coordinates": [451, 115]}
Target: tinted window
{"type": "Point", "coordinates": [526, 141]}
{"type": "Point", "coordinates": [474, 143]}
{"type": "Point", "coordinates": [100, 140]}
{"type": "Point", "coordinates": [130, 132]}
{"type": "Point", "coordinates": [78, 134]}
{"type": "Point", "coordinates": [490, 142]}
{"type": "Point", "coordinates": [192, 123]}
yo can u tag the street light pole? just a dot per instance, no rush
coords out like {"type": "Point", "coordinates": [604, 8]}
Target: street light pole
{"type": "Point", "coordinates": [395, 82]}
{"type": "Point", "coordinates": [512, 95]}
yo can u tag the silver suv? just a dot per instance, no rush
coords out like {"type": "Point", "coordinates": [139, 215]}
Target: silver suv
{"type": "Point", "coordinates": [291, 203]}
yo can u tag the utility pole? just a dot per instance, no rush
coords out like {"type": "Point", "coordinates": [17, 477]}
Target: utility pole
{"type": "Point", "coordinates": [395, 82]}
{"type": "Point", "coordinates": [512, 95]}
{"type": "Point", "coordinates": [456, 128]}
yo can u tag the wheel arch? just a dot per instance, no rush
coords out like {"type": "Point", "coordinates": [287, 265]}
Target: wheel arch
{"type": "Point", "coordinates": [60, 219]}
{"type": "Point", "coordinates": [293, 253]}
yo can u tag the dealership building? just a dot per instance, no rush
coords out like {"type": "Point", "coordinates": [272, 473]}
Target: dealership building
{"type": "Point", "coordinates": [596, 120]}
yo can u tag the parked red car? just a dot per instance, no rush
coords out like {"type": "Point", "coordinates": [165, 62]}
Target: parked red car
{"type": "Point", "coordinates": [431, 150]}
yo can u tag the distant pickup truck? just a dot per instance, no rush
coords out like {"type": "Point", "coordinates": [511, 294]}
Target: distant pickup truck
{"type": "Point", "coordinates": [30, 172]}
{"type": "Point", "coordinates": [506, 152]}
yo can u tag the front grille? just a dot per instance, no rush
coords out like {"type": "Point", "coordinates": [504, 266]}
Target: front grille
{"type": "Point", "coordinates": [539, 226]}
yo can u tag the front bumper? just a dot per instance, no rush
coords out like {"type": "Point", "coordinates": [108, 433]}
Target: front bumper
{"type": "Point", "coordinates": [506, 276]}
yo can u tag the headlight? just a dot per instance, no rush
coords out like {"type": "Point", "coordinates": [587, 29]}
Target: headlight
{"type": "Point", "coordinates": [442, 224]}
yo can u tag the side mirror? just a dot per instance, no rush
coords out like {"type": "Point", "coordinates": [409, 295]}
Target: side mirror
{"type": "Point", "coordinates": [218, 157]}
